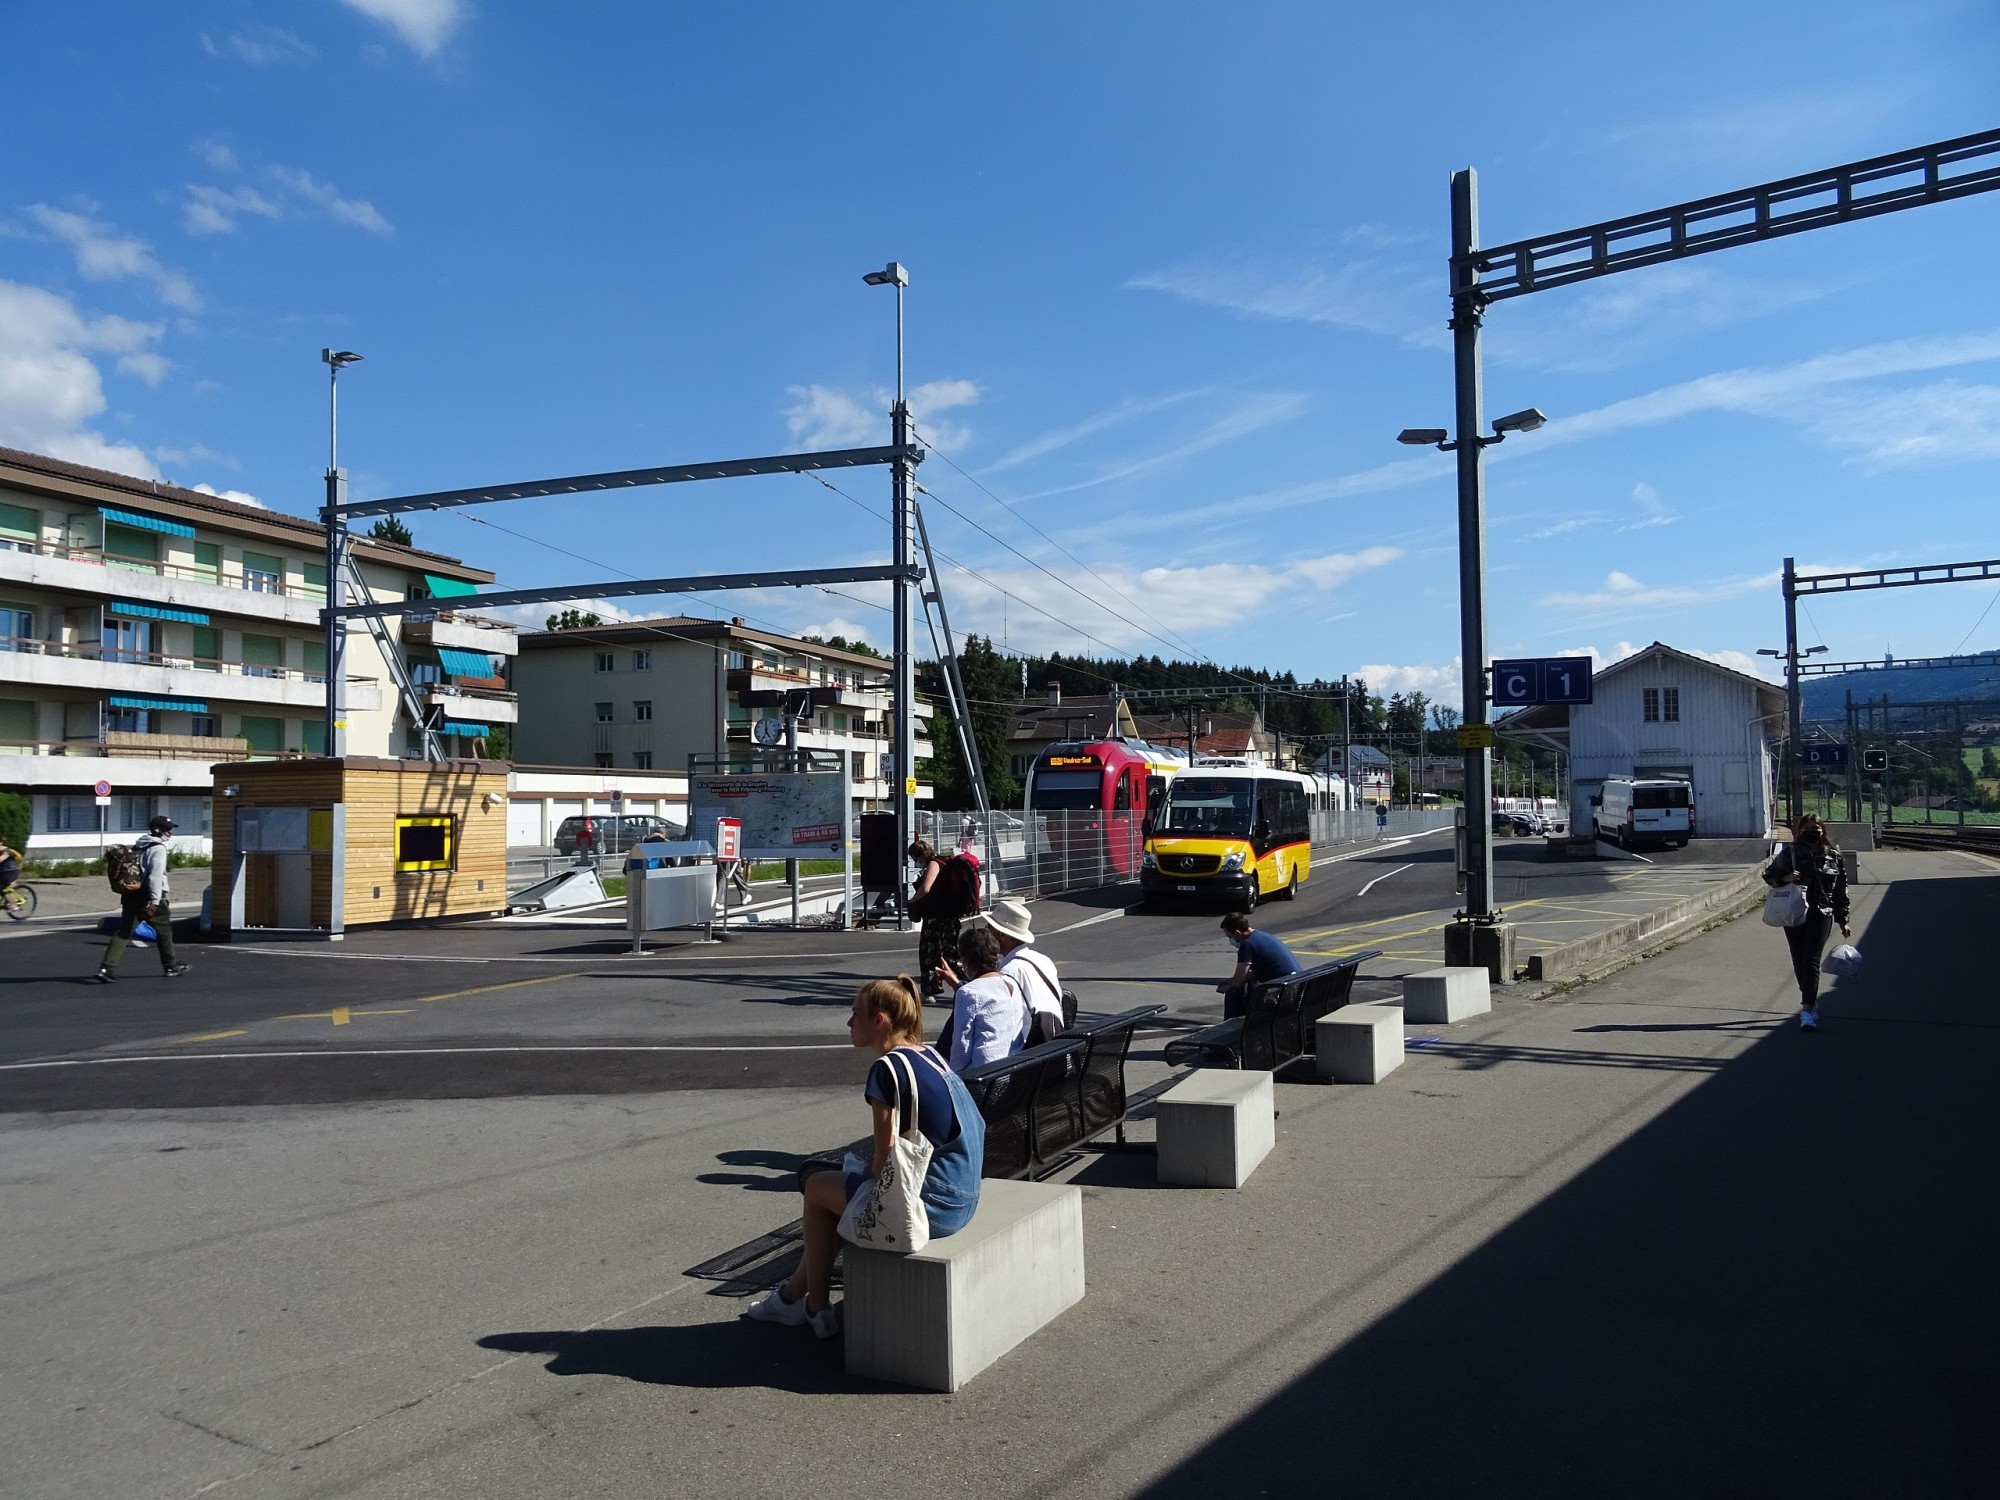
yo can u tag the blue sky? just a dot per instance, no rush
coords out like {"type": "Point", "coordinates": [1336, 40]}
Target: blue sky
{"type": "Point", "coordinates": [1177, 281]}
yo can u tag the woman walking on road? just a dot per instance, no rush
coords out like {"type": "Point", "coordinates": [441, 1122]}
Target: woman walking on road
{"type": "Point", "coordinates": [1811, 860]}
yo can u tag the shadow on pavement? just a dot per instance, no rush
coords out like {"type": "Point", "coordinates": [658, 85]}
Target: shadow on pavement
{"type": "Point", "coordinates": [702, 1356]}
{"type": "Point", "coordinates": [1782, 1285]}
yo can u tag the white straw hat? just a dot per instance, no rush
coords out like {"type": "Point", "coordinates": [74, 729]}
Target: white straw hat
{"type": "Point", "coordinates": [1009, 918]}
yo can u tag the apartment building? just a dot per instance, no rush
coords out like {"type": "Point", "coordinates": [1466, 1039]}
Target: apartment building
{"type": "Point", "coordinates": [148, 632]}
{"type": "Point", "coordinates": [650, 693]}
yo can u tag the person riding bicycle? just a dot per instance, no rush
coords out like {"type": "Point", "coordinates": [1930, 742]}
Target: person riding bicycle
{"type": "Point", "coordinates": [10, 866]}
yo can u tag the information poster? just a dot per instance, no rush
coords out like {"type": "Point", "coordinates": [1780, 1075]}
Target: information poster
{"type": "Point", "coordinates": [785, 815]}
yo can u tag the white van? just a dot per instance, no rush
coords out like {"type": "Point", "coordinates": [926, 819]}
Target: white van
{"type": "Point", "coordinates": [1630, 812]}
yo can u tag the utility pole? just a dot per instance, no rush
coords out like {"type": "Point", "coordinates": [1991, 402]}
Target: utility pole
{"type": "Point", "coordinates": [903, 525]}
{"type": "Point", "coordinates": [1794, 771]}
{"type": "Point", "coordinates": [335, 522]}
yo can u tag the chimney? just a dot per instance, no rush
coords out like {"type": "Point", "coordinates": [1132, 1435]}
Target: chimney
{"type": "Point", "coordinates": [736, 619]}
{"type": "Point", "coordinates": [1055, 695]}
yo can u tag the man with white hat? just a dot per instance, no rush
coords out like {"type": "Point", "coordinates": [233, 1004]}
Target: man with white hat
{"type": "Point", "coordinates": [1034, 973]}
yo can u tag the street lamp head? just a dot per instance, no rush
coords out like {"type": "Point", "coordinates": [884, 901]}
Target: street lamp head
{"type": "Point", "coordinates": [892, 274]}
{"type": "Point", "coordinates": [1422, 437]}
{"type": "Point", "coordinates": [1812, 651]}
{"type": "Point", "coordinates": [339, 358]}
{"type": "Point", "coordinates": [1520, 421]}
{"type": "Point", "coordinates": [1768, 651]}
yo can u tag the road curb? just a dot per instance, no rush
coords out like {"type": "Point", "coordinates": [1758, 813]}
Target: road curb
{"type": "Point", "coordinates": [1574, 963]}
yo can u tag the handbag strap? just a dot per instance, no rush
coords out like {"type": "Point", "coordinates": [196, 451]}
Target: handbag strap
{"type": "Point", "coordinates": [905, 1103]}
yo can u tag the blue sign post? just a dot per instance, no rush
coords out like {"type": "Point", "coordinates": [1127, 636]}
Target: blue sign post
{"type": "Point", "coordinates": [1528, 681]}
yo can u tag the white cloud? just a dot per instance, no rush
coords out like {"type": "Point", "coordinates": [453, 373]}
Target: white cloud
{"type": "Point", "coordinates": [424, 25]}
{"type": "Point", "coordinates": [50, 387]}
{"type": "Point", "coordinates": [219, 156]}
{"type": "Point", "coordinates": [214, 210]}
{"type": "Point", "coordinates": [260, 46]}
{"type": "Point", "coordinates": [1932, 423]}
{"type": "Point", "coordinates": [241, 497]}
{"type": "Point", "coordinates": [146, 365]}
{"type": "Point", "coordinates": [1062, 437]}
{"type": "Point", "coordinates": [1433, 681]}
{"type": "Point", "coordinates": [102, 254]}
{"type": "Point", "coordinates": [822, 417]}
{"type": "Point", "coordinates": [840, 626]}
{"type": "Point", "coordinates": [1252, 414]}
{"type": "Point", "coordinates": [1623, 591]}
{"type": "Point", "coordinates": [324, 196]}
{"type": "Point", "coordinates": [942, 395]}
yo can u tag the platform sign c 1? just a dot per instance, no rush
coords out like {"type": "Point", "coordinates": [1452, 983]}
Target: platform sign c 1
{"type": "Point", "coordinates": [1527, 681]}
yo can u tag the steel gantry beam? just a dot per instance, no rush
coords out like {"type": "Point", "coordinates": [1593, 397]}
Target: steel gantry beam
{"type": "Point", "coordinates": [733, 468]}
{"type": "Point", "coordinates": [1912, 664]}
{"type": "Point", "coordinates": [1859, 190]}
{"type": "Point", "coordinates": [797, 578]}
{"type": "Point", "coordinates": [1894, 578]}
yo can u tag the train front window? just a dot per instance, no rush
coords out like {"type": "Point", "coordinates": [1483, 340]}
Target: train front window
{"type": "Point", "coordinates": [1207, 806]}
{"type": "Point", "coordinates": [1066, 791]}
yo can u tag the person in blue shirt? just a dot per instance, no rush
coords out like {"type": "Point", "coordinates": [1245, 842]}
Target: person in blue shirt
{"type": "Point", "coordinates": [1259, 957]}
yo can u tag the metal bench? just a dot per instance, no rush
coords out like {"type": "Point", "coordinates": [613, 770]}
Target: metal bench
{"type": "Point", "coordinates": [1276, 1026]}
{"type": "Point", "coordinates": [1048, 1100]}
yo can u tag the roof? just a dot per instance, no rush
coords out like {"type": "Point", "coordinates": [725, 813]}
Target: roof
{"type": "Point", "coordinates": [1097, 715]}
{"type": "Point", "coordinates": [687, 627]}
{"type": "Point", "coordinates": [61, 477]}
{"type": "Point", "coordinates": [1556, 715]}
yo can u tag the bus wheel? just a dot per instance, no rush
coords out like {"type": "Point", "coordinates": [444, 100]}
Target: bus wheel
{"type": "Point", "coordinates": [1251, 893]}
{"type": "Point", "coordinates": [1292, 890]}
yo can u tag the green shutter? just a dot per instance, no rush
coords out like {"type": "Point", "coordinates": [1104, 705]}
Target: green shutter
{"type": "Point", "coordinates": [316, 656]}
{"type": "Point", "coordinates": [264, 735]}
{"type": "Point", "coordinates": [208, 559]}
{"type": "Point", "coordinates": [263, 651]}
{"type": "Point", "coordinates": [207, 648]}
{"type": "Point", "coordinates": [131, 544]}
{"type": "Point", "coordinates": [312, 736]}
{"type": "Point", "coordinates": [17, 720]}
{"type": "Point", "coordinates": [20, 523]}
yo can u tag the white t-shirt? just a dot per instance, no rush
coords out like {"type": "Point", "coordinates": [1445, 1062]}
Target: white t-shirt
{"type": "Point", "coordinates": [1035, 973]}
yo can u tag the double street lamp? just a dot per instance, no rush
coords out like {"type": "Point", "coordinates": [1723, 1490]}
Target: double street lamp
{"type": "Point", "coordinates": [904, 550]}
{"type": "Point", "coordinates": [1436, 437]}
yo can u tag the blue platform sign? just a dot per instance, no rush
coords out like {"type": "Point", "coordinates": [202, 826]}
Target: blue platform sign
{"type": "Point", "coordinates": [1541, 679]}
{"type": "Point", "coordinates": [1823, 755]}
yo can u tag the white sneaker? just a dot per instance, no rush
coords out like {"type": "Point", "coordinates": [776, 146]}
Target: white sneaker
{"type": "Point", "coordinates": [825, 1322]}
{"type": "Point", "coordinates": [773, 1308]}
{"type": "Point", "coordinates": [1808, 1020]}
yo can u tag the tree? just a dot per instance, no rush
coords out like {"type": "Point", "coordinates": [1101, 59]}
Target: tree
{"type": "Point", "coordinates": [992, 689]}
{"type": "Point", "coordinates": [573, 619]}
{"type": "Point", "coordinates": [1989, 764]}
{"type": "Point", "coordinates": [857, 646]}
{"type": "Point", "coordinates": [15, 820]}
{"type": "Point", "coordinates": [391, 529]}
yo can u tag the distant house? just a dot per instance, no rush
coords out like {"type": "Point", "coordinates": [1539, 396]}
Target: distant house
{"type": "Point", "coordinates": [1365, 768]}
{"type": "Point", "coordinates": [1665, 713]}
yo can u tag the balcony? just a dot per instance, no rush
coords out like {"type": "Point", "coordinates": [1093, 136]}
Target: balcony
{"type": "Point", "coordinates": [95, 667]}
{"type": "Point", "coordinates": [201, 747]}
{"type": "Point", "coordinates": [475, 705]}
{"type": "Point", "coordinates": [461, 633]}
{"type": "Point", "coordinates": [93, 571]}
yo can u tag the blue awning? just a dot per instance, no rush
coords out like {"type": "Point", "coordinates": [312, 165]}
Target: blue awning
{"type": "Point", "coordinates": [455, 726]}
{"type": "Point", "coordinates": [167, 705]}
{"type": "Point", "coordinates": [155, 612]}
{"type": "Point", "coordinates": [465, 663]}
{"type": "Point", "coordinates": [144, 523]}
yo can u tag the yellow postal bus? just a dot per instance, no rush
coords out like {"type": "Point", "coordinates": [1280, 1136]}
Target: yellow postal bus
{"type": "Point", "coordinates": [1229, 834]}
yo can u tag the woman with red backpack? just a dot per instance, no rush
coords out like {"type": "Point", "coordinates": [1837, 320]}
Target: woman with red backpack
{"type": "Point", "coordinates": [946, 893]}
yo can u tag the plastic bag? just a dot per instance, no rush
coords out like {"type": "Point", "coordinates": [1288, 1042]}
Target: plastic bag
{"type": "Point", "coordinates": [1843, 963]}
{"type": "Point", "coordinates": [1785, 906]}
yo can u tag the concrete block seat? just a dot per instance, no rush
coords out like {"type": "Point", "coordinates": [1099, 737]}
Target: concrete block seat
{"type": "Point", "coordinates": [1360, 1043]}
{"type": "Point", "coordinates": [937, 1318]}
{"type": "Point", "coordinates": [1214, 1126]}
{"type": "Point", "coordinates": [1434, 997]}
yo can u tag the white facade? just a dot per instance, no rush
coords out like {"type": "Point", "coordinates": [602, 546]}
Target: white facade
{"type": "Point", "coordinates": [149, 632]}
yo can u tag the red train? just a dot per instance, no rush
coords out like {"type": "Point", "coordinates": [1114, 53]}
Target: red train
{"type": "Point", "coordinates": [1089, 799]}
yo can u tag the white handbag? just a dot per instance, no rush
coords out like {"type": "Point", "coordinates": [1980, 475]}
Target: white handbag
{"type": "Point", "coordinates": [888, 1212]}
{"type": "Point", "coordinates": [1785, 906]}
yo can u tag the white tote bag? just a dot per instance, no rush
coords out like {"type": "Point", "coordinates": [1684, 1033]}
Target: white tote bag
{"type": "Point", "coordinates": [888, 1212]}
{"type": "Point", "coordinates": [1785, 906]}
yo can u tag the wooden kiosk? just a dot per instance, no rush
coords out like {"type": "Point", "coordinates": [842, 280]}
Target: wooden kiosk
{"type": "Point", "coordinates": [406, 840]}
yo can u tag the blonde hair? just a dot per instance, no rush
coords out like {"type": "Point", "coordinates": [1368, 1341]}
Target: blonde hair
{"type": "Point", "coordinates": [899, 1001]}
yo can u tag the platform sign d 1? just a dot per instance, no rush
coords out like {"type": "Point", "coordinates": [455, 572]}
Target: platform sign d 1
{"type": "Point", "coordinates": [1823, 755]}
{"type": "Point", "coordinates": [728, 838]}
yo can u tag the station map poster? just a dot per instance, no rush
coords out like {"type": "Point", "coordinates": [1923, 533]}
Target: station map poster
{"type": "Point", "coordinates": [785, 815]}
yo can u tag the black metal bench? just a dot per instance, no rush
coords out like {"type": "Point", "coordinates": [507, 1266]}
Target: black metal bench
{"type": "Point", "coordinates": [1276, 1026]}
{"type": "Point", "coordinates": [1048, 1100]}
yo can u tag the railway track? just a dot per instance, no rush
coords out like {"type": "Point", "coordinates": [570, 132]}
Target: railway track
{"type": "Point", "coordinates": [1979, 837]}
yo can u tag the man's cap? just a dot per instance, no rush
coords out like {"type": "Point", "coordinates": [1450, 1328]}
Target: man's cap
{"type": "Point", "coordinates": [162, 824]}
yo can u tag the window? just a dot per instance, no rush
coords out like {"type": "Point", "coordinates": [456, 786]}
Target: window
{"type": "Point", "coordinates": [735, 661]}
{"type": "Point", "coordinates": [208, 560]}
{"type": "Point", "coordinates": [263, 573]}
{"type": "Point", "coordinates": [642, 711]}
{"type": "Point", "coordinates": [129, 547]}
{"type": "Point", "coordinates": [128, 720]}
{"type": "Point", "coordinates": [642, 760]}
{"type": "Point", "coordinates": [17, 628]}
{"type": "Point", "coordinates": [602, 758]}
{"type": "Point", "coordinates": [312, 736]}
{"type": "Point", "coordinates": [134, 813]}
{"type": "Point", "coordinates": [1672, 712]}
{"type": "Point", "coordinates": [128, 640]}
{"type": "Point", "coordinates": [603, 711]}
{"type": "Point", "coordinates": [424, 844]}
{"type": "Point", "coordinates": [605, 661]}
{"type": "Point", "coordinates": [265, 736]}
{"type": "Point", "coordinates": [72, 815]}
{"type": "Point", "coordinates": [1652, 711]}
{"type": "Point", "coordinates": [209, 726]}
{"type": "Point", "coordinates": [17, 723]}
{"type": "Point", "coordinates": [20, 529]}
{"type": "Point", "coordinates": [642, 661]}
{"type": "Point", "coordinates": [315, 660]}
{"type": "Point", "coordinates": [263, 656]}
{"type": "Point", "coordinates": [193, 815]}
{"type": "Point", "coordinates": [315, 580]}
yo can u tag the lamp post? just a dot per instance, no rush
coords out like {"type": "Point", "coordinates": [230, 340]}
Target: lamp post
{"type": "Point", "coordinates": [335, 524]}
{"type": "Point", "coordinates": [1464, 943]}
{"type": "Point", "coordinates": [1795, 776]}
{"type": "Point", "coordinates": [904, 676]}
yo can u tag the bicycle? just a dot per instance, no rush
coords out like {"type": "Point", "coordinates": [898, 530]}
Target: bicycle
{"type": "Point", "coordinates": [19, 901]}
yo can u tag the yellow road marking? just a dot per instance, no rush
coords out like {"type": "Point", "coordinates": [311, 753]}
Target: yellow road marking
{"type": "Point", "coordinates": [207, 1036]}
{"type": "Point", "coordinates": [340, 1015]}
{"type": "Point", "coordinates": [487, 989]}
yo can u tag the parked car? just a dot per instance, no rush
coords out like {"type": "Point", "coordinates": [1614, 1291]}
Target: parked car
{"type": "Point", "coordinates": [614, 834]}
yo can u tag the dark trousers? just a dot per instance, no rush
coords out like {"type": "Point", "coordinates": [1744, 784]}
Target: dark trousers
{"type": "Point", "coordinates": [131, 912]}
{"type": "Point", "coordinates": [1806, 941]}
{"type": "Point", "coordinates": [1236, 1001]}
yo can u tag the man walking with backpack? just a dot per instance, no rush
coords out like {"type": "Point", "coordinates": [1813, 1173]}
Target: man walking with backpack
{"type": "Point", "coordinates": [139, 875]}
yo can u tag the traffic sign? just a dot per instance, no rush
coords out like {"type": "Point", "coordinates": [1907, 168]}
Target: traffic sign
{"type": "Point", "coordinates": [1526, 681]}
{"type": "Point", "coordinates": [1823, 755]}
{"type": "Point", "coordinates": [617, 796]}
{"type": "Point", "coordinates": [103, 788]}
{"type": "Point", "coordinates": [1475, 736]}
{"type": "Point", "coordinates": [1874, 760]}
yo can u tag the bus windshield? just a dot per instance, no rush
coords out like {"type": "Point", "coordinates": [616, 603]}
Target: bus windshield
{"type": "Point", "coordinates": [1211, 805]}
{"type": "Point", "coordinates": [1067, 791]}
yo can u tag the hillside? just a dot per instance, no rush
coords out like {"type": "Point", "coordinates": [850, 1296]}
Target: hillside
{"type": "Point", "coordinates": [1826, 697]}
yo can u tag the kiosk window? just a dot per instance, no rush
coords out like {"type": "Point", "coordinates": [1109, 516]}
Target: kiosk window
{"type": "Point", "coordinates": [423, 843]}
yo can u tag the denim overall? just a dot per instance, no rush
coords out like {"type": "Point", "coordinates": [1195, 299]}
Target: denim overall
{"type": "Point", "coordinates": [951, 1187]}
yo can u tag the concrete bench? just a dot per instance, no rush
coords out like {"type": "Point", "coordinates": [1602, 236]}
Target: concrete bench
{"type": "Point", "coordinates": [1440, 996]}
{"type": "Point", "coordinates": [1214, 1126]}
{"type": "Point", "coordinates": [937, 1318]}
{"type": "Point", "coordinates": [1361, 1043]}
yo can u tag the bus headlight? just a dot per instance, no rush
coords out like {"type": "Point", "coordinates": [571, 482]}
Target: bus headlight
{"type": "Point", "coordinates": [1232, 863]}
{"type": "Point", "coordinates": [1147, 862]}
